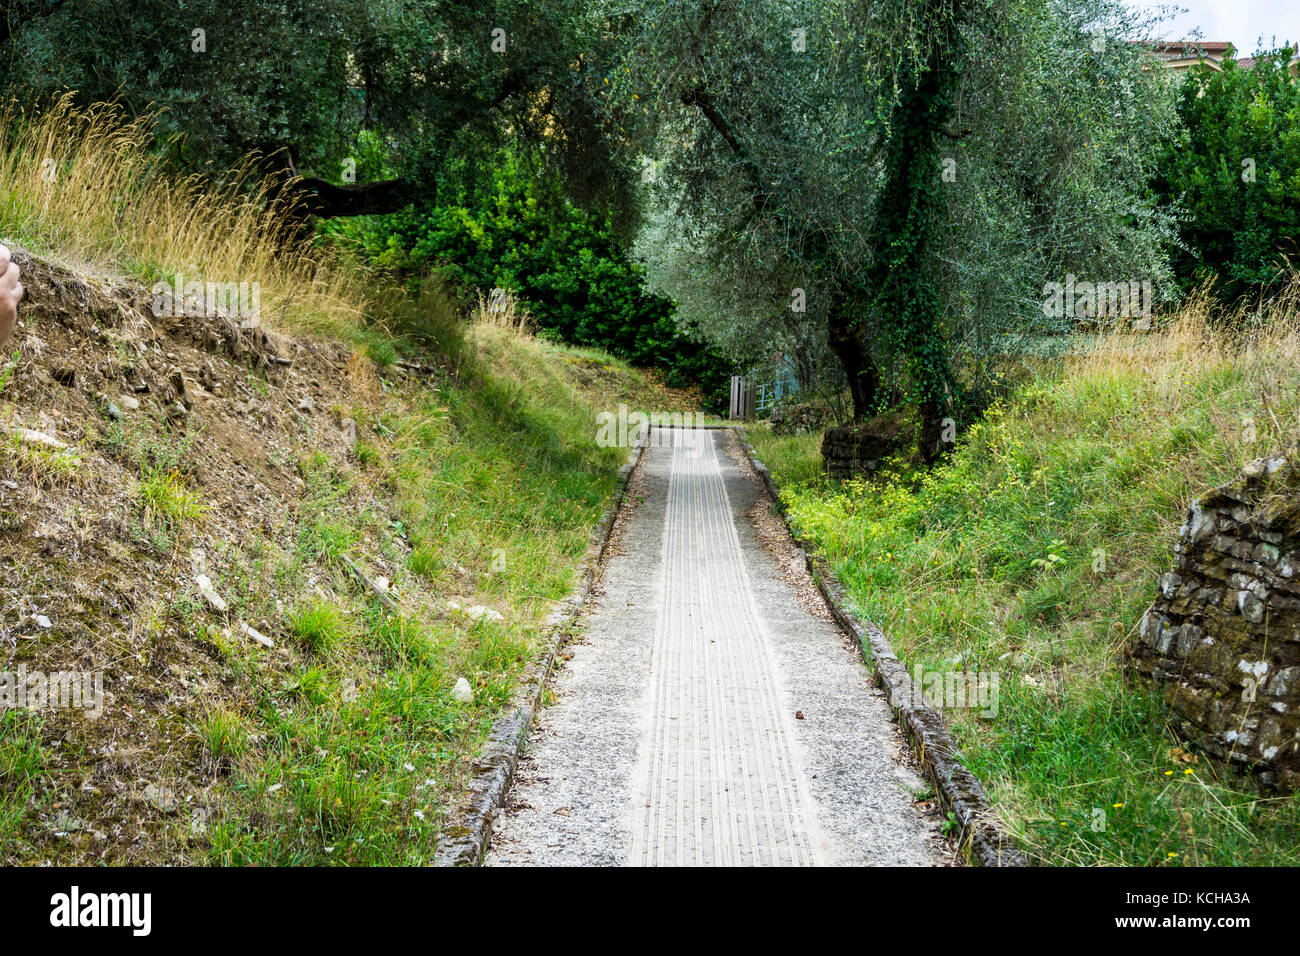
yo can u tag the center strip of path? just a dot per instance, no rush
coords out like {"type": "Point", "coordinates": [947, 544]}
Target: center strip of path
{"type": "Point", "coordinates": [719, 781]}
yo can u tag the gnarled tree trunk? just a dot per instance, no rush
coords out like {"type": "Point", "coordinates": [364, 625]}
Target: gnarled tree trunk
{"type": "Point", "coordinates": [846, 339]}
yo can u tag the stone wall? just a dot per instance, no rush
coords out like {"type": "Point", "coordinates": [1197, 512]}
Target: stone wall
{"type": "Point", "coordinates": [850, 451]}
{"type": "Point", "coordinates": [1223, 637]}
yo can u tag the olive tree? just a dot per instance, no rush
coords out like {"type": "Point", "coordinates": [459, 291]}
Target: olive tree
{"type": "Point", "coordinates": [915, 169]}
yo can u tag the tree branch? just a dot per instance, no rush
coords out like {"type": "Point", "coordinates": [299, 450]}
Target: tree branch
{"type": "Point", "coordinates": [320, 197]}
{"type": "Point", "coordinates": [699, 98]}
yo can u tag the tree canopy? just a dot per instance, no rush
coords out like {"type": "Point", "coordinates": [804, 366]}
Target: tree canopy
{"type": "Point", "coordinates": [1235, 169]}
{"type": "Point", "coordinates": [368, 101]}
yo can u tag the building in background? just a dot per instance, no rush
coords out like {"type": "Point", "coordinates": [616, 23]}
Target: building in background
{"type": "Point", "coordinates": [1181, 55]}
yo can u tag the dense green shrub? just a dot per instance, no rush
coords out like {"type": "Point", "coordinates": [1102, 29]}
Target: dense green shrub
{"type": "Point", "coordinates": [567, 265]}
{"type": "Point", "coordinates": [1236, 171]}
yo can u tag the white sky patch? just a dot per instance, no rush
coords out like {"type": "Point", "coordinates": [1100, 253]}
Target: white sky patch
{"type": "Point", "coordinates": [1240, 22]}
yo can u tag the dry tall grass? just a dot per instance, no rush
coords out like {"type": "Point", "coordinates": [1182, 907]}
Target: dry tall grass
{"type": "Point", "coordinates": [1237, 368]}
{"type": "Point", "coordinates": [87, 185]}
{"type": "Point", "coordinates": [503, 310]}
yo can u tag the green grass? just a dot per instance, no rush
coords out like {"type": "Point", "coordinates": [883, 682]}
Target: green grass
{"type": "Point", "coordinates": [224, 736]}
{"type": "Point", "coordinates": [45, 466]}
{"type": "Point", "coordinates": [22, 760]}
{"type": "Point", "coordinates": [478, 480]}
{"type": "Point", "coordinates": [319, 625]}
{"type": "Point", "coordinates": [1033, 552]}
{"type": "Point", "coordinates": [7, 370]}
{"type": "Point", "coordinates": [168, 500]}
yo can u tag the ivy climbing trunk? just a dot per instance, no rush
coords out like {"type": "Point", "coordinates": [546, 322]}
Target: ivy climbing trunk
{"type": "Point", "coordinates": [907, 216]}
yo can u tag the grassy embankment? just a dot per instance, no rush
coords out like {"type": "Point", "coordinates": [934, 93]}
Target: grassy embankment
{"type": "Point", "coordinates": [477, 479]}
{"type": "Point", "coordinates": [1034, 551]}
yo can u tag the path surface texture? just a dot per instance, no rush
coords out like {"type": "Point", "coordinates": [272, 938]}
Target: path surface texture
{"type": "Point", "coordinates": [711, 713]}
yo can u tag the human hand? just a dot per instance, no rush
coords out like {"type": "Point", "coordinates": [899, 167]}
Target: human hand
{"type": "Point", "coordinates": [11, 290]}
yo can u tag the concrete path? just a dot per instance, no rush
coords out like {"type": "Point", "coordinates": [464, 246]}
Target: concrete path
{"type": "Point", "coordinates": [712, 714]}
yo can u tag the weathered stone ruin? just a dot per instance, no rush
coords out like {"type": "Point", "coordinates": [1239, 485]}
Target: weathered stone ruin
{"type": "Point", "coordinates": [851, 451]}
{"type": "Point", "coordinates": [1223, 638]}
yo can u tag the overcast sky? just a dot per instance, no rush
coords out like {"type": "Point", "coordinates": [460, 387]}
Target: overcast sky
{"type": "Point", "coordinates": [1240, 22]}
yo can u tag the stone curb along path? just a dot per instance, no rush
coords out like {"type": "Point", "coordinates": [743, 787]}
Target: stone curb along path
{"type": "Point", "coordinates": [987, 841]}
{"type": "Point", "coordinates": [464, 840]}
